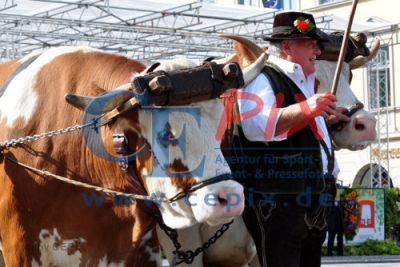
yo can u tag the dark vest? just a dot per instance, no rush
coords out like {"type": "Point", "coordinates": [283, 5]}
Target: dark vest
{"type": "Point", "coordinates": [286, 167]}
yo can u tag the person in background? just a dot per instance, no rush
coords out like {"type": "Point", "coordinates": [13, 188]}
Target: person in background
{"type": "Point", "coordinates": [336, 227]}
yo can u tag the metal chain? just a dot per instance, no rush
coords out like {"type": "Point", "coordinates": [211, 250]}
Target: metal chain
{"type": "Point", "coordinates": [188, 256]}
{"type": "Point", "coordinates": [31, 138]}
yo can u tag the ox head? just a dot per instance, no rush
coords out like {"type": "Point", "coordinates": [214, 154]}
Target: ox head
{"type": "Point", "coordinates": [360, 131]}
{"type": "Point", "coordinates": [178, 156]}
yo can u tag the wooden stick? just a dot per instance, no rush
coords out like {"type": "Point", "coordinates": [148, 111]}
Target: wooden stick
{"type": "Point", "coordinates": [343, 48]}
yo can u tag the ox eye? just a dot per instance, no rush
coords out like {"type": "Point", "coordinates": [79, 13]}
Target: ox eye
{"type": "Point", "coordinates": [166, 137]}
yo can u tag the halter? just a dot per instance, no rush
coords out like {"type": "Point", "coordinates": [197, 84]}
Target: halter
{"type": "Point", "coordinates": [349, 113]}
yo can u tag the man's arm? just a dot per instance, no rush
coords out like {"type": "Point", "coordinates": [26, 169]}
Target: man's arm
{"type": "Point", "coordinates": [317, 105]}
{"type": "Point", "coordinates": [256, 126]}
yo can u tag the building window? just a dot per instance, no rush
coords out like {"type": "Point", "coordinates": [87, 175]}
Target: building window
{"type": "Point", "coordinates": [379, 80]}
{"type": "Point", "coordinates": [328, 1]}
{"type": "Point", "coordinates": [276, 4]}
{"type": "Point", "coordinates": [247, 2]}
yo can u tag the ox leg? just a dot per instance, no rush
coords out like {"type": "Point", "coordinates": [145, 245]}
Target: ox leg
{"type": "Point", "coordinates": [189, 238]}
{"type": "Point", "coordinates": [14, 254]}
{"type": "Point", "coordinates": [234, 248]}
{"type": "Point", "coordinates": [2, 264]}
{"type": "Point", "coordinates": [13, 248]}
{"type": "Point", "coordinates": [254, 262]}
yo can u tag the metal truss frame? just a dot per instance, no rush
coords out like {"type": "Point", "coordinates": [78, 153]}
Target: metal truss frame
{"type": "Point", "coordinates": [144, 34]}
{"type": "Point", "coordinates": [380, 97]}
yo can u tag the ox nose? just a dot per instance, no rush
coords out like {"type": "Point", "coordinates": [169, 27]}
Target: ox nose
{"type": "Point", "coordinates": [365, 126]}
{"type": "Point", "coordinates": [231, 202]}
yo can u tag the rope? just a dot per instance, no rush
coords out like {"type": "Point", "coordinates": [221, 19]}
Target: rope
{"type": "Point", "coordinates": [109, 192]}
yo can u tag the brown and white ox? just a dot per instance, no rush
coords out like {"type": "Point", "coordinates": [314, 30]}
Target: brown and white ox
{"type": "Point", "coordinates": [236, 247]}
{"type": "Point", "coordinates": [47, 222]}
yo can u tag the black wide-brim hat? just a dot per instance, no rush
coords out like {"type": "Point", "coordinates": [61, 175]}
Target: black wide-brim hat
{"type": "Point", "coordinates": [294, 25]}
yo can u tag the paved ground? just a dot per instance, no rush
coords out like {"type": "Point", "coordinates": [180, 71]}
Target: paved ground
{"type": "Point", "coordinates": [363, 265]}
{"type": "Point", "coordinates": [362, 261]}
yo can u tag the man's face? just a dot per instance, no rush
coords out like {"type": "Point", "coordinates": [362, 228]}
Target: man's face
{"type": "Point", "coordinates": [302, 52]}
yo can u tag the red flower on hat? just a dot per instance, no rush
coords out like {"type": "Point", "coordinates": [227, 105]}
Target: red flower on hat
{"type": "Point", "coordinates": [303, 25]}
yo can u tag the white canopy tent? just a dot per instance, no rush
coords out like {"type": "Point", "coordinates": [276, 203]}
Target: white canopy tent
{"type": "Point", "coordinates": [143, 29]}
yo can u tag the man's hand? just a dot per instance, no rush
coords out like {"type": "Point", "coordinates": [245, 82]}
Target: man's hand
{"type": "Point", "coordinates": [321, 105]}
{"type": "Point", "coordinates": [339, 119]}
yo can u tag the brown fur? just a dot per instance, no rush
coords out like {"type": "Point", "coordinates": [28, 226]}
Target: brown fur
{"type": "Point", "coordinates": [7, 69]}
{"type": "Point", "coordinates": [30, 203]}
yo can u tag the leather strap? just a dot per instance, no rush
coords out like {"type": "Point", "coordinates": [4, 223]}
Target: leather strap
{"type": "Point", "coordinates": [120, 144]}
{"type": "Point", "coordinates": [109, 116]}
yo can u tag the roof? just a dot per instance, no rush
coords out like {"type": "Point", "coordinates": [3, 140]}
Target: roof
{"type": "Point", "coordinates": [143, 29]}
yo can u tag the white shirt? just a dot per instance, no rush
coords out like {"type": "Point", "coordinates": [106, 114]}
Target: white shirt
{"type": "Point", "coordinates": [261, 126]}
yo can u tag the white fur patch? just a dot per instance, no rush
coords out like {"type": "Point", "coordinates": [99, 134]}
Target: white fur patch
{"type": "Point", "coordinates": [153, 256]}
{"type": "Point", "coordinates": [325, 74]}
{"type": "Point", "coordinates": [19, 100]}
{"type": "Point", "coordinates": [30, 55]}
{"type": "Point", "coordinates": [104, 263]}
{"type": "Point", "coordinates": [54, 250]}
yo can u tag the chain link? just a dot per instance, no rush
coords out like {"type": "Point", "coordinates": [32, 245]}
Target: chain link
{"type": "Point", "coordinates": [31, 138]}
{"type": "Point", "coordinates": [187, 256]}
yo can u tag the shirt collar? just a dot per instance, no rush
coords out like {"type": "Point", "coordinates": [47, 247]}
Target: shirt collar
{"type": "Point", "coordinates": [285, 65]}
{"type": "Point", "coordinates": [295, 72]}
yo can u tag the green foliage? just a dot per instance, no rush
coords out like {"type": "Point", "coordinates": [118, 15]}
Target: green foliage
{"type": "Point", "coordinates": [371, 247]}
{"type": "Point", "coordinates": [391, 196]}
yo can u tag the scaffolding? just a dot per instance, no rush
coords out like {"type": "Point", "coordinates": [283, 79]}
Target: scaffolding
{"type": "Point", "coordinates": [144, 30]}
{"type": "Point", "coordinates": [380, 101]}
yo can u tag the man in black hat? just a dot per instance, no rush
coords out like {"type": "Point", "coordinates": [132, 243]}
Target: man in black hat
{"type": "Point", "coordinates": [289, 141]}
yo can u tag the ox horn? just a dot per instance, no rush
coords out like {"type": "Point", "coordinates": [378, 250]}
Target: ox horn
{"type": "Point", "coordinates": [100, 104]}
{"type": "Point", "coordinates": [80, 102]}
{"type": "Point", "coordinates": [251, 71]}
{"type": "Point", "coordinates": [359, 61]}
{"type": "Point", "coordinates": [255, 54]}
{"type": "Point", "coordinates": [253, 49]}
